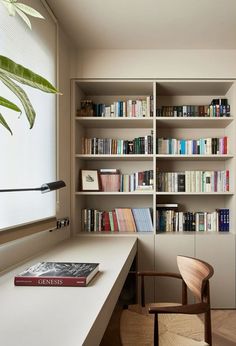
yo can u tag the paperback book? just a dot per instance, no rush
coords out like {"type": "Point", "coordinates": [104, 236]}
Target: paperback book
{"type": "Point", "coordinates": [57, 274]}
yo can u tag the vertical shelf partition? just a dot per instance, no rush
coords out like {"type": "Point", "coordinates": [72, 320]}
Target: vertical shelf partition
{"type": "Point", "coordinates": [217, 248]}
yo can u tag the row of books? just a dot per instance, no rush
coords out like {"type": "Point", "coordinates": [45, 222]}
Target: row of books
{"type": "Point", "coordinates": [139, 145]}
{"type": "Point", "coordinates": [131, 108]}
{"type": "Point", "coordinates": [202, 146]}
{"type": "Point", "coordinates": [117, 220]}
{"type": "Point", "coordinates": [194, 111]}
{"type": "Point", "coordinates": [114, 181]}
{"type": "Point", "coordinates": [193, 181]}
{"type": "Point", "coordinates": [169, 220]}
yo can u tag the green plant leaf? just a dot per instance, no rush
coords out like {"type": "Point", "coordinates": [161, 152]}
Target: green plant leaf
{"type": "Point", "coordinates": [25, 76]}
{"type": "Point", "coordinates": [22, 96]}
{"type": "Point", "coordinates": [24, 17]}
{"type": "Point", "coordinates": [4, 123]}
{"type": "Point", "coordinates": [10, 7]}
{"type": "Point", "coordinates": [8, 104]}
{"type": "Point", "coordinates": [29, 10]}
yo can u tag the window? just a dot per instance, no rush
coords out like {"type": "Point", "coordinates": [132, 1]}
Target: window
{"type": "Point", "coordinates": [28, 158]}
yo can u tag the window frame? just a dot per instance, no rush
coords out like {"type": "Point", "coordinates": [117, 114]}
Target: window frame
{"type": "Point", "coordinates": [48, 224]}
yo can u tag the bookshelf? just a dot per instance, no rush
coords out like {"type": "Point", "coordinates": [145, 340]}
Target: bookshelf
{"type": "Point", "coordinates": [159, 250]}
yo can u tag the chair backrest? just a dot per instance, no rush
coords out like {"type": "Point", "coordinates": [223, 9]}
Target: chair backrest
{"type": "Point", "coordinates": [195, 273]}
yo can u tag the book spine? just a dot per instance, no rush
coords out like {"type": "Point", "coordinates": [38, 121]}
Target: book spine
{"type": "Point", "coordinates": [49, 281]}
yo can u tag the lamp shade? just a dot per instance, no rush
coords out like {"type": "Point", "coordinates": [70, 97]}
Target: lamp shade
{"type": "Point", "coordinates": [55, 185]}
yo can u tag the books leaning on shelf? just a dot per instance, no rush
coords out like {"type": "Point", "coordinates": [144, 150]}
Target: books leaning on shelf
{"type": "Point", "coordinates": [142, 107]}
{"type": "Point", "coordinates": [202, 146]}
{"type": "Point", "coordinates": [112, 180]}
{"type": "Point", "coordinates": [170, 220]}
{"type": "Point", "coordinates": [117, 220]}
{"type": "Point", "coordinates": [57, 274]}
{"type": "Point", "coordinates": [193, 181]}
{"type": "Point", "coordinates": [108, 146]}
{"type": "Point", "coordinates": [217, 108]}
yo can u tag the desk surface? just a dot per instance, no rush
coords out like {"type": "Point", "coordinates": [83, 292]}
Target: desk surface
{"type": "Point", "coordinates": [66, 316]}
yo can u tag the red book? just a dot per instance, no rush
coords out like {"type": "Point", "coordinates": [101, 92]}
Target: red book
{"type": "Point", "coordinates": [227, 180]}
{"type": "Point", "coordinates": [140, 178]}
{"type": "Point", "coordinates": [106, 221]}
{"type": "Point", "coordinates": [57, 274]}
{"type": "Point", "coordinates": [116, 228]}
{"type": "Point", "coordinates": [225, 145]}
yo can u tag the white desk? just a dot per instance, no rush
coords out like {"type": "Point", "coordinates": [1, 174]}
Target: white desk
{"type": "Point", "coordinates": [66, 316]}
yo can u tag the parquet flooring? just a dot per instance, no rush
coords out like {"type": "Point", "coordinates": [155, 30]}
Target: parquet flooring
{"type": "Point", "coordinates": [223, 328]}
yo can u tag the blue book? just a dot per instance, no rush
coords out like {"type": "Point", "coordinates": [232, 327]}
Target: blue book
{"type": "Point", "coordinates": [143, 219]}
{"type": "Point", "coordinates": [182, 146]}
{"type": "Point", "coordinates": [170, 146]}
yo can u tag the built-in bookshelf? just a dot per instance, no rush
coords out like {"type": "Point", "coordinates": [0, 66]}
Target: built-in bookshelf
{"type": "Point", "coordinates": [177, 99]}
{"type": "Point", "coordinates": [163, 94]}
{"type": "Point", "coordinates": [135, 124]}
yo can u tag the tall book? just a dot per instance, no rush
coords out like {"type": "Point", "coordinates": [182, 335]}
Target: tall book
{"type": "Point", "coordinates": [57, 274]}
{"type": "Point", "coordinates": [143, 219]}
{"type": "Point", "coordinates": [125, 220]}
{"type": "Point", "coordinates": [110, 180]}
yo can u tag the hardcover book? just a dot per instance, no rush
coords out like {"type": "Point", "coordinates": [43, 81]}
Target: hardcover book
{"type": "Point", "coordinates": [57, 274]}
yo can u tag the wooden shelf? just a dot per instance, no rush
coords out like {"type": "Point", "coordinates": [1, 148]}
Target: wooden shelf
{"type": "Point", "coordinates": [195, 193]}
{"type": "Point", "coordinates": [97, 122]}
{"type": "Point", "coordinates": [115, 87]}
{"type": "Point", "coordinates": [102, 193]}
{"type": "Point", "coordinates": [193, 87]}
{"type": "Point", "coordinates": [114, 157]}
{"type": "Point", "coordinates": [109, 233]}
{"type": "Point", "coordinates": [203, 233]}
{"type": "Point", "coordinates": [193, 122]}
{"type": "Point", "coordinates": [194, 157]}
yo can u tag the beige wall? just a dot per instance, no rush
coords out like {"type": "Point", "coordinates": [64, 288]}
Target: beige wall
{"type": "Point", "coordinates": [115, 63]}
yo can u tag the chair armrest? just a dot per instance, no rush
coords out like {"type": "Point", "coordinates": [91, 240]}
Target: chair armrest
{"type": "Point", "coordinates": [173, 275]}
{"type": "Point", "coordinates": [190, 309]}
{"type": "Point", "coordinates": [156, 274]}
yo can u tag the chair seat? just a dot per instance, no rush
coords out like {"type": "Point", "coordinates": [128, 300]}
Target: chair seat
{"type": "Point", "coordinates": [136, 327]}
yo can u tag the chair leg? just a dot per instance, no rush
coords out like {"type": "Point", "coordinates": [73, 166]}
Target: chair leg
{"type": "Point", "coordinates": [208, 334]}
{"type": "Point", "coordinates": [156, 336]}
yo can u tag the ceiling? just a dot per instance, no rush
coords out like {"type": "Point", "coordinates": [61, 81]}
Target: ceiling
{"type": "Point", "coordinates": [148, 24]}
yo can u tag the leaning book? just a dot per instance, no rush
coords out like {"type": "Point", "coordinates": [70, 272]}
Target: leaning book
{"type": "Point", "coordinates": [57, 274]}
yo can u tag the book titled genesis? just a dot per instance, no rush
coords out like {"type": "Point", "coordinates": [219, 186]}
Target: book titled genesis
{"type": "Point", "coordinates": [57, 274]}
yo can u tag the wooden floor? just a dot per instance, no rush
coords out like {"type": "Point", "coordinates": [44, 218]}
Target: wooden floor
{"type": "Point", "coordinates": [223, 327]}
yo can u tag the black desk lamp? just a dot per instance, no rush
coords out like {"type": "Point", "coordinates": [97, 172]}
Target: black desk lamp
{"type": "Point", "coordinates": [55, 185]}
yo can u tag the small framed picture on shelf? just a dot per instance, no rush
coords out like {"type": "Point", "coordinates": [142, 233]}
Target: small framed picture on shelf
{"type": "Point", "coordinates": [90, 180]}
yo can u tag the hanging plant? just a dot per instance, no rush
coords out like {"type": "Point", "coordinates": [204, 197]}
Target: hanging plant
{"type": "Point", "coordinates": [10, 71]}
{"type": "Point", "coordinates": [22, 10]}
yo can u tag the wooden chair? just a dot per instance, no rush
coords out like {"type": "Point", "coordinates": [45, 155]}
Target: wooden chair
{"type": "Point", "coordinates": [137, 321]}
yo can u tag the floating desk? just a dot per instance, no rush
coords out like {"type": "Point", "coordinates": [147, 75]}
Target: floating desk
{"type": "Point", "coordinates": [66, 316]}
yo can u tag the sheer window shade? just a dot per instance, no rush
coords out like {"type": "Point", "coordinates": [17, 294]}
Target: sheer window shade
{"type": "Point", "coordinates": [28, 158]}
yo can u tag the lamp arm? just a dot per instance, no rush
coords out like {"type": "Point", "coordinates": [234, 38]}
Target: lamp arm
{"type": "Point", "coordinates": [55, 185]}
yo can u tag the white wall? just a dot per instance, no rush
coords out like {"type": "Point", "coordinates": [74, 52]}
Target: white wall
{"type": "Point", "coordinates": [116, 63]}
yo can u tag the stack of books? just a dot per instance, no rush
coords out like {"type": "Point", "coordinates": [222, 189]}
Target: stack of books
{"type": "Point", "coordinates": [217, 108]}
{"type": "Point", "coordinates": [114, 181]}
{"type": "Point", "coordinates": [170, 220]}
{"type": "Point", "coordinates": [142, 107]}
{"type": "Point", "coordinates": [117, 220]}
{"type": "Point", "coordinates": [139, 145]}
{"type": "Point", "coordinates": [193, 181]}
{"type": "Point", "coordinates": [202, 146]}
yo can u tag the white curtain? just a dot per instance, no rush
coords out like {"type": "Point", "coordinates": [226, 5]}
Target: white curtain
{"type": "Point", "coordinates": [28, 158]}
